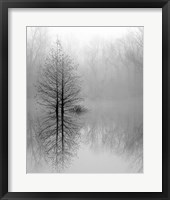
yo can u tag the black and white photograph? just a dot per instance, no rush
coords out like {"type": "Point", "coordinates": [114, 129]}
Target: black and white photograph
{"type": "Point", "coordinates": [84, 99]}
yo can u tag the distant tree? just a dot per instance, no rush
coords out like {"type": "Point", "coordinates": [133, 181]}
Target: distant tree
{"type": "Point", "coordinates": [59, 92]}
{"type": "Point", "coordinates": [125, 57]}
{"type": "Point", "coordinates": [132, 48]}
{"type": "Point", "coordinates": [36, 49]}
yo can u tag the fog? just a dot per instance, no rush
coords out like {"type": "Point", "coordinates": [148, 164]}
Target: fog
{"type": "Point", "coordinates": [104, 120]}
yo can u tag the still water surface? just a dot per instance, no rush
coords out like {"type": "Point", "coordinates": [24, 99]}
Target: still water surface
{"type": "Point", "coordinates": [111, 140]}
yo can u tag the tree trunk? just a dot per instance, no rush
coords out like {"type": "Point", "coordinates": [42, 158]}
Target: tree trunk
{"type": "Point", "coordinates": [57, 107]}
{"type": "Point", "coordinates": [57, 117]}
{"type": "Point", "coordinates": [62, 107]}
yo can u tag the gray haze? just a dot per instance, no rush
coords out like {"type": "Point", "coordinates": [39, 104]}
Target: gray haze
{"type": "Point", "coordinates": [108, 134]}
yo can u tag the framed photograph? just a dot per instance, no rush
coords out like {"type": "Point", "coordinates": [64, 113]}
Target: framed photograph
{"type": "Point", "coordinates": [84, 99]}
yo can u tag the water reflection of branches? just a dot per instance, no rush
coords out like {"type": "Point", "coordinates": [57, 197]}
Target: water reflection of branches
{"type": "Point", "coordinates": [35, 155]}
{"type": "Point", "coordinates": [55, 155]}
{"type": "Point", "coordinates": [122, 135]}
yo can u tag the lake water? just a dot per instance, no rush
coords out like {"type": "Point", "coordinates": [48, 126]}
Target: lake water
{"type": "Point", "coordinates": [111, 140]}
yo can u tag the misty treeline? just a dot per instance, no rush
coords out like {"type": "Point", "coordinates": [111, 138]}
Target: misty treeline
{"type": "Point", "coordinates": [110, 68]}
{"type": "Point", "coordinates": [114, 69]}
{"type": "Point", "coordinates": [37, 48]}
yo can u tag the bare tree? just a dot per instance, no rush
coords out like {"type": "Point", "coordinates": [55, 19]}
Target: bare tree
{"type": "Point", "coordinates": [59, 94]}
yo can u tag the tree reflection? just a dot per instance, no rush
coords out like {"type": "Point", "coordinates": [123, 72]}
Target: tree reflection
{"type": "Point", "coordinates": [59, 158]}
{"type": "Point", "coordinates": [118, 133]}
{"type": "Point", "coordinates": [35, 149]}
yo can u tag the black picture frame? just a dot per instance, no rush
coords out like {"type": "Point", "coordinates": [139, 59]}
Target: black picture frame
{"type": "Point", "coordinates": [4, 5]}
